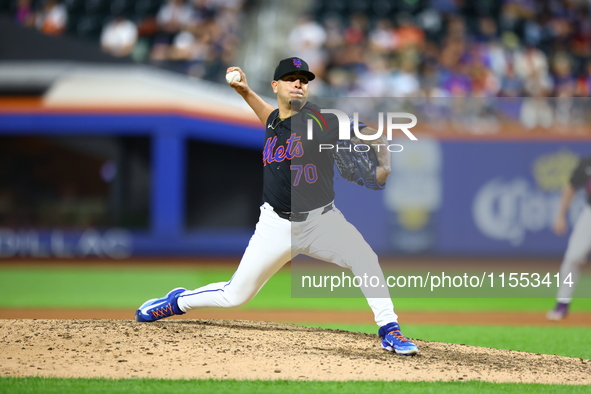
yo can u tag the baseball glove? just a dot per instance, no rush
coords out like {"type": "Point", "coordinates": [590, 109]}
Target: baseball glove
{"type": "Point", "coordinates": [357, 167]}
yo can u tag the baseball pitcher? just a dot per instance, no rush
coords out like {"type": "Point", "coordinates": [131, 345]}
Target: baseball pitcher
{"type": "Point", "coordinates": [298, 215]}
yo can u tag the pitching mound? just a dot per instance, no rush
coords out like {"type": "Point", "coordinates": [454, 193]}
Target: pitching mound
{"type": "Point", "coordinates": [224, 349]}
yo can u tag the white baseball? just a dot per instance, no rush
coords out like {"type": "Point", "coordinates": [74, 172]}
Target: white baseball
{"type": "Point", "coordinates": [233, 76]}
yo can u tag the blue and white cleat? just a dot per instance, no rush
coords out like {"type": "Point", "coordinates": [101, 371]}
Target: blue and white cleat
{"type": "Point", "coordinates": [393, 340]}
{"type": "Point", "coordinates": [559, 312]}
{"type": "Point", "coordinates": [159, 308]}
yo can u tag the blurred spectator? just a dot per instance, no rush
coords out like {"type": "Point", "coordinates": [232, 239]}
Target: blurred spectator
{"type": "Point", "coordinates": [487, 30]}
{"type": "Point", "coordinates": [373, 82]}
{"type": "Point", "coordinates": [188, 53]}
{"type": "Point", "coordinates": [185, 46]}
{"type": "Point", "coordinates": [511, 84]}
{"type": "Point", "coordinates": [431, 22]}
{"type": "Point", "coordinates": [334, 34]}
{"type": "Point", "coordinates": [356, 32]}
{"type": "Point", "coordinates": [532, 67]}
{"type": "Point", "coordinates": [382, 39]}
{"type": "Point", "coordinates": [404, 81]}
{"type": "Point", "coordinates": [581, 40]}
{"type": "Point", "coordinates": [444, 6]}
{"type": "Point", "coordinates": [173, 16]}
{"type": "Point", "coordinates": [337, 83]}
{"type": "Point", "coordinates": [456, 83]}
{"type": "Point", "coordinates": [488, 48]}
{"type": "Point", "coordinates": [493, 49]}
{"type": "Point", "coordinates": [484, 82]}
{"type": "Point", "coordinates": [196, 37]}
{"type": "Point", "coordinates": [407, 33]}
{"type": "Point", "coordinates": [52, 19]}
{"type": "Point", "coordinates": [199, 39]}
{"type": "Point", "coordinates": [531, 61]}
{"type": "Point", "coordinates": [584, 81]}
{"type": "Point", "coordinates": [538, 84]}
{"type": "Point", "coordinates": [564, 80]}
{"type": "Point", "coordinates": [224, 44]}
{"type": "Point", "coordinates": [24, 14]}
{"type": "Point", "coordinates": [306, 40]}
{"type": "Point", "coordinates": [119, 36]}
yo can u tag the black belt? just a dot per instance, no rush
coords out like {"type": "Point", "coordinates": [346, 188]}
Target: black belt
{"type": "Point", "coordinates": [299, 216]}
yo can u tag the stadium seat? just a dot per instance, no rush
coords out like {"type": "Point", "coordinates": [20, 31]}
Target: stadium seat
{"type": "Point", "coordinates": [7, 7]}
{"type": "Point", "coordinates": [410, 6]}
{"type": "Point", "coordinates": [72, 26]}
{"type": "Point", "coordinates": [90, 27]}
{"type": "Point", "coordinates": [74, 6]}
{"type": "Point", "coordinates": [334, 6]}
{"type": "Point", "coordinates": [97, 7]}
{"type": "Point", "coordinates": [122, 7]}
{"type": "Point", "coordinates": [356, 6]}
{"type": "Point", "coordinates": [146, 7]}
{"type": "Point", "coordinates": [382, 8]}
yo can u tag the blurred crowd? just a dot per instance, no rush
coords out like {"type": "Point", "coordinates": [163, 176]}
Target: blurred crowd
{"type": "Point", "coordinates": [434, 48]}
{"type": "Point", "coordinates": [194, 37]}
{"type": "Point", "coordinates": [449, 48]}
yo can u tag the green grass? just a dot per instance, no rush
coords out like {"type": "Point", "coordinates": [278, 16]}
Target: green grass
{"type": "Point", "coordinates": [94, 287]}
{"type": "Point", "coordinates": [112, 288]}
{"type": "Point", "coordinates": [543, 340]}
{"type": "Point", "coordinates": [40, 385]}
{"type": "Point", "coordinates": [127, 287]}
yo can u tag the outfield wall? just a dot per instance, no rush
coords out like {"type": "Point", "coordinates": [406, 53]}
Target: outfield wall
{"type": "Point", "coordinates": [449, 194]}
{"type": "Point", "coordinates": [490, 198]}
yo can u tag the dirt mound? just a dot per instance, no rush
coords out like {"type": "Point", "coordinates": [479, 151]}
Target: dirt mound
{"type": "Point", "coordinates": [488, 318]}
{"type": "Point", "coordinates": [231, 349]}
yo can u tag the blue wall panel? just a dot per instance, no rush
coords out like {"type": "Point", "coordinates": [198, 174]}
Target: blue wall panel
{"type": "Point", "coordinates": [487, 198]}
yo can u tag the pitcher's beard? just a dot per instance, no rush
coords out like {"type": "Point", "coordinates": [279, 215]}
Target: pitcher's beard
{"type": "Point", "coordinates": [297, 103]}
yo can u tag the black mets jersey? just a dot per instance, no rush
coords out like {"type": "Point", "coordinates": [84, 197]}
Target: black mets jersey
{"type": "Point", "coordinates": [298, 163]}
{"type": "Point", "coordinates": [582, 176]}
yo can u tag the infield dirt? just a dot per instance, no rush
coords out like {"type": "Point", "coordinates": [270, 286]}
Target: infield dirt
{"type": "Point", "coordinates": [237, 349]}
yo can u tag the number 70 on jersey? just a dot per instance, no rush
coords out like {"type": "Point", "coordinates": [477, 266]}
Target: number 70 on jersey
{"type": "Point", "coordinates": [308, 171]}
